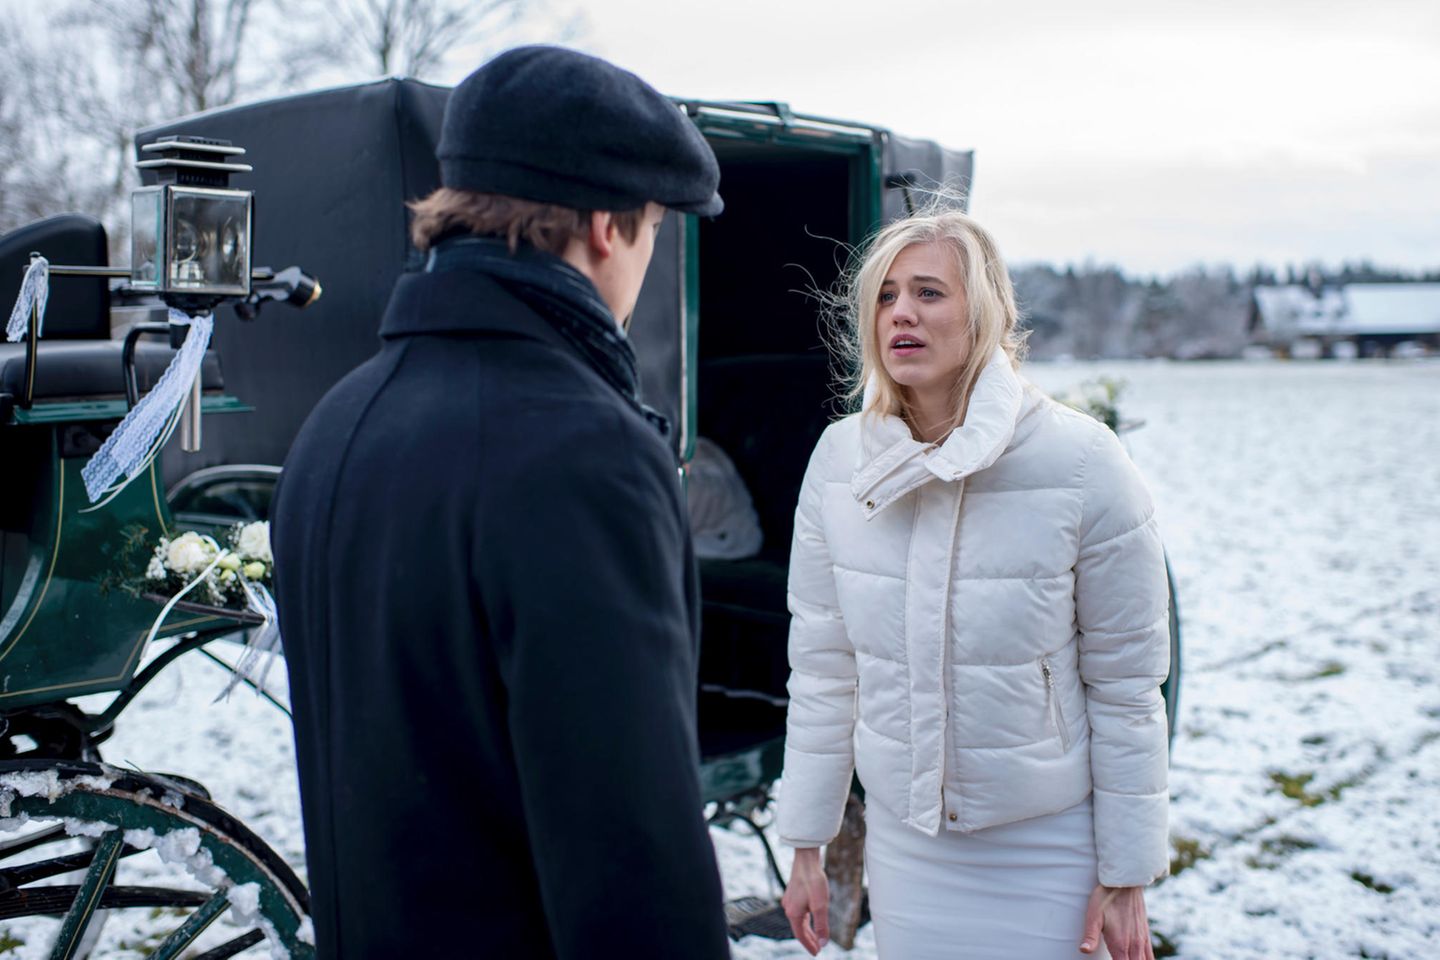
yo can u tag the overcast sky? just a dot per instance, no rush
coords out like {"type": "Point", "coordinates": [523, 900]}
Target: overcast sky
{"type": "Point", "coordinates": [1152, 135]}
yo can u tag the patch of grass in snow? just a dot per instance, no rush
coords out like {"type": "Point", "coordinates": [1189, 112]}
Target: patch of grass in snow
{"type": "Point", "coordinates": [1330, 668]}
{"type": "Point", "coordinates": [1188, 852]}
{"type": "Point", "coordinates": [1163, 945]}
{"type": "Point", "coordinates": [1315, 740]}
{"type": "Point", "coordinates": [1366, 880]}
{"type": "Point", "coordinates": [145, 947]}
{"type": "Point", "coordinates": [1293, 786]}
{"type": "Point", "coordinates": [1275, 850]}
{"type": "Point", "coordinates": [9, 943]}
{"type": "Point", "coordinates": [1340, 787]}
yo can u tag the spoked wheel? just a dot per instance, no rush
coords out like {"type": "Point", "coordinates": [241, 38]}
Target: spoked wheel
{"type": "Point", "coordinates": [121, 814]}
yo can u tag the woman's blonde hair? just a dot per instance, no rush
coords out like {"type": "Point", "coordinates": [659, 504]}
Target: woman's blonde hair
{"type": "Point", "coordinates": [989, 298]}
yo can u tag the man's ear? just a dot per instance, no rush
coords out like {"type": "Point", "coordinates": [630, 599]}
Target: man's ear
{"type": "Point", "coordinates": [602, 233]}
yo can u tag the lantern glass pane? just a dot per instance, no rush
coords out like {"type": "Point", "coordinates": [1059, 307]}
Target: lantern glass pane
{"type": "Point", "coordinates": [146, 220]}
{"type": "Point", "coordinates": [209, 240]}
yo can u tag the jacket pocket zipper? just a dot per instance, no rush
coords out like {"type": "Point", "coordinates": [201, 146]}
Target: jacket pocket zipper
{"type": "Point", "coordinates": [1056, 716]}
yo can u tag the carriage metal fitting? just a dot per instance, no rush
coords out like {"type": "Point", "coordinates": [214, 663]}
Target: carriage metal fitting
{"type": "Point", "coordinates": [193, 161]}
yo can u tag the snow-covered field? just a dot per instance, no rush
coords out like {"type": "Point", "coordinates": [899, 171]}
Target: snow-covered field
{"type": "Point", "coordinates": [1300, 505]}
{"type": "Point", "coordinates": [1301, 508]}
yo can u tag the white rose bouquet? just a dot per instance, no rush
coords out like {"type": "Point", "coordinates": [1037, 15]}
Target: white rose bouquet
{"type": "Point", "coordinates": [224, 569]}
{"type": "Point", "coordinates": [1098, 398]}
{"type": "Point", "coordinates": [233, 572]}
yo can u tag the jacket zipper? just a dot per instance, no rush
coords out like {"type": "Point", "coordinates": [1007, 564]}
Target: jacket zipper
{"type": "Point", "coordinates": [1056, 716]}
{"type": "Point", "coordinates": [945, 686]}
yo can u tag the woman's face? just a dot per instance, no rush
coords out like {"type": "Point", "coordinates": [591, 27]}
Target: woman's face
{"type": "Point", "coordinates": [922, 320]}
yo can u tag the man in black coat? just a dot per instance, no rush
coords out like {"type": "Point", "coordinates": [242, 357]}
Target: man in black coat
{"type": "Point", "coordinates": [483, 569]}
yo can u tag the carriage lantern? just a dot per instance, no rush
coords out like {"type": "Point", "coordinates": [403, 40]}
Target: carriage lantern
{"type": "Point", "coordinates": [190, 233]}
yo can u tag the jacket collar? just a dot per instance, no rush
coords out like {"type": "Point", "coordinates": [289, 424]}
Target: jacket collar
{"type": "Point", "coordinates": [461, 302]}
{"type": "Point", "coordinates": [893, 463]}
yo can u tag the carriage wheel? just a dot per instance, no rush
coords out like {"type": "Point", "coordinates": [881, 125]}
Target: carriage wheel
{"type": "Point", "coordinates": [132, 814]}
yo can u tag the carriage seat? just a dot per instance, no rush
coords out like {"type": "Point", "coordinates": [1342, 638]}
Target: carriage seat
{"type": "Point", "coordinates": [766, 411]}
{"type": "Point", "coordinates": [744, 626]}
{"type": "Point", "coordinates": [92, 369]}
{"type": "Point", "coordinates": [76, 359]}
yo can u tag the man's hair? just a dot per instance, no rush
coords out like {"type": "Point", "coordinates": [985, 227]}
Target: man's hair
{"type": "Point", "coordinates": [542, 225]}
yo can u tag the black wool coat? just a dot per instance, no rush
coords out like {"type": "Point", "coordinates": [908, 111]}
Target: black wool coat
{"type": "Point", "coordinates": [489, 610]}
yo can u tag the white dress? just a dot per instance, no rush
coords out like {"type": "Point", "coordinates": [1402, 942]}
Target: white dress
{"type": "Point", "coordinates": [1018, 890]}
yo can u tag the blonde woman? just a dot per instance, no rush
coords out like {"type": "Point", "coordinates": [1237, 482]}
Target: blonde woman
{"type": "Point", "coordinates": [979, 630]}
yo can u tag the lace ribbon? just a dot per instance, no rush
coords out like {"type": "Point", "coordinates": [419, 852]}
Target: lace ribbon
{"type": "Point", "coordinates": [262, 645]}
{"type": "Point", "coordinates": [130, 450]}
{"type": "Point", "coordinates": [34, 293]}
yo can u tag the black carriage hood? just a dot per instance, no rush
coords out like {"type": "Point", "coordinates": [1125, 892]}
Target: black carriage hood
{"type": "Point", "coordinates": [333, 170]}
{"type": "Point", "coordinates": [332, 173]}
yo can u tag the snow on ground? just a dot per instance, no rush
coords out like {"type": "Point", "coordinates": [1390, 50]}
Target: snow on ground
{"type": "Point", "coordinates": [1301, 509]}
{"type": "Point", "coordinates": [1300, 504]}
{"type": "Point", "coordinates": [240, 749]}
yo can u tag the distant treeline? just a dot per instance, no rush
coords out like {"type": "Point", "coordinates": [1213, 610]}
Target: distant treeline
{"type": "Point", "coordinates": [1098, 311]}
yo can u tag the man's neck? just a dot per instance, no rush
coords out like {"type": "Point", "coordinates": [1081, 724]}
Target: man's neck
{"type": "Point", "coordinates": [578, 256]}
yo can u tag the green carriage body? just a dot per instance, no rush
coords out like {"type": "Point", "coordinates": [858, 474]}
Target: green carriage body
{"type": "Point", "coordinates": [64, 632]}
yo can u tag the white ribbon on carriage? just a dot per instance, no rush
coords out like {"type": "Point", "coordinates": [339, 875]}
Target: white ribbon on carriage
{"type": "Point", "coordinates": [138, 440]}
{"type": "Point", "coordinates": [34, 295]}
{"type": "Point", "coordinates": [144, 431]}
{"type": "Point", "coordinates": [262, 645]}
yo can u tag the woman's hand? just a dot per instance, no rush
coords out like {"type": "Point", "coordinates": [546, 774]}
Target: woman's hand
{"type": "Point", "coordinates": [807, 900]}
{"type": "Point", "coordinates": [1119, 914]}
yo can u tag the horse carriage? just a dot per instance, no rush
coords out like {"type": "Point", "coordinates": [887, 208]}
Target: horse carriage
{"type": "Point", "coordinates": [332, 171]}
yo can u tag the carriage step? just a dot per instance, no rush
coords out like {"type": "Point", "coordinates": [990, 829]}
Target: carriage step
{"type": "Point", "coordinates": [756, 916]}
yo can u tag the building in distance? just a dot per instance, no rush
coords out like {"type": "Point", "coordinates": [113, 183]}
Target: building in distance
{"type": "Point", "coordinates": [1307, 321]}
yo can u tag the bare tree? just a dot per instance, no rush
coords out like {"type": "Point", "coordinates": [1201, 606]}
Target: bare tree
{"type": "Point", "coordinates": [78, 79]}
{"type": "Point", "coordinates": [1213, 307]}
{"type": "Point", "coordinates": [14, 138]}
{"type": "Point", "coordinates": [186, 54]}
{"type": "Point", "coordinates": [75, 88]}
{"type": "Point", "coordinates": [57, 150]}
{"type": "Point", "coordinates": [413, 36]}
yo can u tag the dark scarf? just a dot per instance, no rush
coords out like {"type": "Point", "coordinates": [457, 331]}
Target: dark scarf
{"type": "Point", "coordinates": [564, 297]}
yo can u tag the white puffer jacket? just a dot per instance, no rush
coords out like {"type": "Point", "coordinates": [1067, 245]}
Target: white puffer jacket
{"type": "Point", "coordinates": [980, 629]}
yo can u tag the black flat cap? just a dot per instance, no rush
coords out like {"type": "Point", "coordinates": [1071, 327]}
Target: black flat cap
{"type": "Point", "coordinates": [556, 126]}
